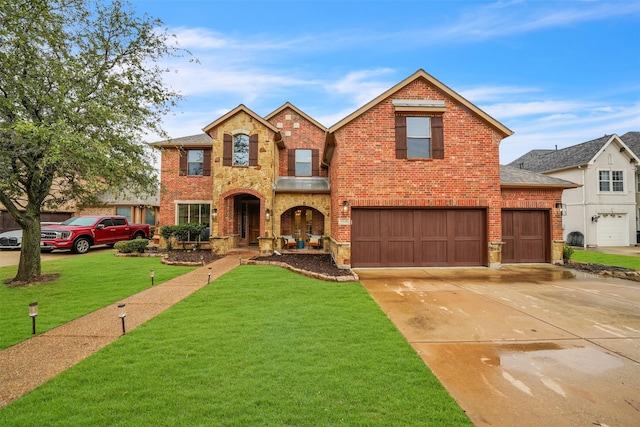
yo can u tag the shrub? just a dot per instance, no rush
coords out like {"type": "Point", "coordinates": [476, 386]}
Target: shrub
{"type": "Point", "coordinates": [567, 252]}
{"type": "Point", "coordinates": [130, 246]}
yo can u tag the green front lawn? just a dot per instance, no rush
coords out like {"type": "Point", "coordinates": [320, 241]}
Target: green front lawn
{"type": "Point", "coordinates": [627, 261]}
{"type": "Point", "coordinates": [87, 283]}
{"type": "Point", "coordinates": [258, 346]}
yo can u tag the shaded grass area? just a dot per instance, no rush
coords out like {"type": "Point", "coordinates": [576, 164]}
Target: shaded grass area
{"type": "Point", "coordinates": [86, 283]}
{"type": "Point", "coordinates": [593, 257]}
{"type": "Point", "coordinates": [259, 346]}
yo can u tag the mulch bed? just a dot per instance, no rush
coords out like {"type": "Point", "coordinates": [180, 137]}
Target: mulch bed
{"type": "Point", "coordinates": [316, 263]}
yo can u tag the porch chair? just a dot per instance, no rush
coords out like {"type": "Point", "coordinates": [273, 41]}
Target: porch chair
{"type": "Point", "coordinates": [289, 242]}
{"type": "Point", "coordinates": [315, 241]}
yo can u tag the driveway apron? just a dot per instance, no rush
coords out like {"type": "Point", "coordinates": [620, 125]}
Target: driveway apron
{"type": "Point", "coordinates": [523, 345]}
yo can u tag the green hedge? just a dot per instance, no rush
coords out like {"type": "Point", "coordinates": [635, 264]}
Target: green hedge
{"type": "Point", "coordinates": [130, 246]}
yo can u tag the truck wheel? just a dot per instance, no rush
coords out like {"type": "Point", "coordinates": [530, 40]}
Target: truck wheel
{"type": "Point", "coordinates": [138, 235]}
{"type": "Point", "coordinates": [81, 246]}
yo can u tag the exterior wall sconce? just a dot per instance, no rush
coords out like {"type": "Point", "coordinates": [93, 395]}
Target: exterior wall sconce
{"type": "Point", "coordinates": [33, 312]}
{"type": "Point", "coordinates": [214, 215]}
{"type": "Point", "coordinates": [267, 215]}
{"type": "Point", "coordinates": [595, 218]}
{"type": "Point", "coordinates": [562, 207]}
{"type": "Point", "coordinates": [345, 206]}
{"type": "Point", "coordinates": [122, 314]}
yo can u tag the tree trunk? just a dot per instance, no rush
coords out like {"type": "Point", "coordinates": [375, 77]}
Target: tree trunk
{"type": "Point", "coordinates": [29, 267]}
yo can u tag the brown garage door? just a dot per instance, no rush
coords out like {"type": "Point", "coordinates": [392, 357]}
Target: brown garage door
{"type": "Point", "coordinates": [526, 236]}
{"type": "Point", "coordinates": [418, 237]}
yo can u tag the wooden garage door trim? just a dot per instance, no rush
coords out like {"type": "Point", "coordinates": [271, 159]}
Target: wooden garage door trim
{"type": "Point", "coordinates": [526, 235]}
{"type": "Point", "coordinates": [409, 237]}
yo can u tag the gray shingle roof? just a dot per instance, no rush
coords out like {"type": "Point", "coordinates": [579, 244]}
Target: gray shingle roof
{"type": "Point", "coordinates": [513, 177]}
{"type": "Point", "coordinates": [632, 139]}
{"type": "Point", "coordinates": [199, 139]}
{"type": "Point", "coordinates": [550, 160]}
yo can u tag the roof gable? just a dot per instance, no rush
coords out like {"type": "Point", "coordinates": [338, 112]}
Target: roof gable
{"type": "Point", "coordinates": [421, 74]}
{"type": "Point", "coordinates": [238, 109]}
{"type": "Point", "coordinates": [298, 111]}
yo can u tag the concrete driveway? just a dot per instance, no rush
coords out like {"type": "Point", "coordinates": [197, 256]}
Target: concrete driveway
{"type": "Point", "coordinates": [525, 345]}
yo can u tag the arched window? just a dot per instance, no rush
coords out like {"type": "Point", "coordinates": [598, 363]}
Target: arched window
{"type": "Point", "coordinates": [241, 150]}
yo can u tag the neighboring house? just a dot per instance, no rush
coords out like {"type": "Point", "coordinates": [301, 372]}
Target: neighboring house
{"type": "Point", "coordinates": [137, 209]}
{"type": "Point", "coordinates": [632, 139]}
{"type": "Point", "coordinates": [410, 179]}
{"type": "Point", "coordinates": [602, 211]}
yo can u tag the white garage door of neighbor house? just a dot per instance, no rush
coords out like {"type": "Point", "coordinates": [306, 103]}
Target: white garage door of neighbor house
{"type": "Point", "coordinates": [613, 230]}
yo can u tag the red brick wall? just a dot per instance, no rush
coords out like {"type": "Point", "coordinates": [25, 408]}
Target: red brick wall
{"type": "Point", "coordinates": [365, 171]}
{"type": "Point", "coordinates": [176, 187]}
{"type": "Point", "coordinates": [536, 198]}
{"type": "Point", "coordinates": [307, 135]}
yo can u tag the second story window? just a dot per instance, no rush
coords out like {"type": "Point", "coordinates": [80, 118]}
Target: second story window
{"type": "Point", "coordinates": [418, 137]}
{"type": "Point", "coordinates": [241, 150]}
{"type": "Point", "coordinates": [611, 181]}
{"type": "Point", "coordinates": [303, 162]}
{"type": "Point", "coordinates": [195, 162]}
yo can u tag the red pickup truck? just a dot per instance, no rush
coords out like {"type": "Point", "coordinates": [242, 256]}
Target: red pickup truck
{"type": "Point", "coordinates": [81, 232]}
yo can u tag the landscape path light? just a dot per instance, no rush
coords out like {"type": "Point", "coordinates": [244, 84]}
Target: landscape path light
{"type": "Point", "coordinates": [152, 274]}
{"type": "Point", "coordinates": [209, 278]}
{"type": "Point", "coordinates": [122, 314]}
{"type": "Point", "coordinates": [33, 312]}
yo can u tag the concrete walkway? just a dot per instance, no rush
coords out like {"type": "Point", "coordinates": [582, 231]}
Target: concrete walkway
{"type": "Point", "coordinates": [31, 363]}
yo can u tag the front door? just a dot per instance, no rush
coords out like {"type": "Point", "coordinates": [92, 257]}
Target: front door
{"type": "Point", "coordinates": [253, 219]}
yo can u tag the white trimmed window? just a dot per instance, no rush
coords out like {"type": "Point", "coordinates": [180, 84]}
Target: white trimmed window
{"type": "Point", "coordinates": [611, 181]}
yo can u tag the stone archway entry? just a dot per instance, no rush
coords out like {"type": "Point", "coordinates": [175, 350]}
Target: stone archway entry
{"type": "Point", "coordinates": [302, 222]}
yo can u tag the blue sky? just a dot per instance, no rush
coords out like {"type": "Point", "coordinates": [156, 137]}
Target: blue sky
{"type": "Point", "coordinates": [555, 72]}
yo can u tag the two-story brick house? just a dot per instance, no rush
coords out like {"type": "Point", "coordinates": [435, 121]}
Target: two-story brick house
{"type": "Point", "coordinates": [410, 179]}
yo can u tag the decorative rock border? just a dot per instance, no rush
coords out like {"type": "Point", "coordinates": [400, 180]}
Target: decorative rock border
{"type": "Point", "coordinates": [348, 278]}
{"type": "Point", "coordinates": [605, 270]}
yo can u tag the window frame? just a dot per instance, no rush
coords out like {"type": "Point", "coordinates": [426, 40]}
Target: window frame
{"type": "Point", "coordinates": [436, 131]}
{"type": "Point", "coordinates": [611, 181]}
{"type": "Point", "coordinates": [189, 219]}
{"type": "Point", "coordinates": [308, 164]}
{"type": "Point", "coordinates": [235, 153]}
{"type": "Point", "coordinates": [198, 170]}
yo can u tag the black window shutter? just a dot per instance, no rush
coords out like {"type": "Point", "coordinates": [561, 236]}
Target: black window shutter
{"type": "Point", "coordinates": [184, 154]}
{"type": "Point", "coordinates": [315, 162]}
{"type": "Point", "coordinates": [437, 138]}
{"type": "Point", "coordinates": [206, 163]}
{"type": "Point", "coordinates": [291, 165]}
{"type": "Point", "coordinates": [253, 150]}
{"type": "Point", "coordinates": [401, 137]}
{"type": "Point", "coordinates": [227, 150]}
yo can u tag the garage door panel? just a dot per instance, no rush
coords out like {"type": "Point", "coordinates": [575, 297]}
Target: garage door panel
{"type": "Point", "coordinates": [366, 253]}
{"type": "Point", "coordinates": [432, 224]}
{"type": "Point", "coordinates": [612, 230]}
{"type": "Point", "coordinates": [434, 252]}
{"type": "Point", "coordinates": [400, 254]}
{"type": "Point", "coordinates": [419, 237]}
{"type": "Point", "coordinates": [526, 236]}
{"type": "Point", "coordinates": [467, 252]}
